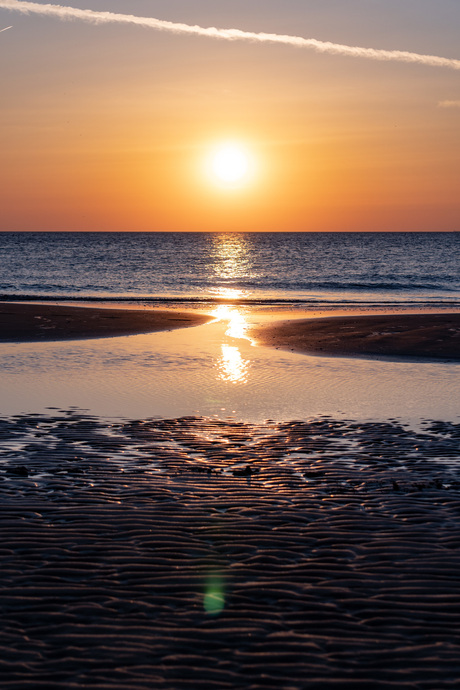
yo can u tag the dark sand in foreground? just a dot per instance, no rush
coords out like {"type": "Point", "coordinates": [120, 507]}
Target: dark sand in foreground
{"type": "Point", "coordinates": [434, 336]}
{"type": "Point", "coordinates": [35, 322]}
{"type": "Point", "coordinates": [196, 553]}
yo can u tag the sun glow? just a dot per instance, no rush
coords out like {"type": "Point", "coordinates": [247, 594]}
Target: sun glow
{"type": "Point", "coordinates": [230, 165]}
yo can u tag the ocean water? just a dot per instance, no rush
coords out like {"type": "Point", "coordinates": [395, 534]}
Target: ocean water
{"type": "Point", "coordinates": [215, 370]}
{"type": "Point", "coordinates": [295, 268]}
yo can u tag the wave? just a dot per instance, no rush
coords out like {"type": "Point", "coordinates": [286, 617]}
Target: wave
{"type": "Point", "coordinates": [334, 286]}
{"type": "Point", "coordinates": [215, 299]}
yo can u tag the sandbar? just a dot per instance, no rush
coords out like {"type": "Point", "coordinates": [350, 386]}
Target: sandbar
{"type": "Point", "coordinates": [42, 322]}
{"type": "Point", "coordinates": [426, 336]}
{"type": "Point", "coordinates": [434, 336]}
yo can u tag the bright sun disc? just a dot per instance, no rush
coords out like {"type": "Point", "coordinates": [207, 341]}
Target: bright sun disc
{"type": "Point", "coordinates": [230, 164]}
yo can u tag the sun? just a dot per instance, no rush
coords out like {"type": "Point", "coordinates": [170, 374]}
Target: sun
{"type": "Point", "coordinates": [230, 165]}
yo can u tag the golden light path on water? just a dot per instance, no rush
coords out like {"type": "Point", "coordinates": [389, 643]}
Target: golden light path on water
{"type": "Point", "coordinates": [231, 262]}
{"type": "Point", "coordinates": [232, 366]}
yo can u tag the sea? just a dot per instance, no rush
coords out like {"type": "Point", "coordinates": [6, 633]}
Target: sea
{"type": "Point", "coordinates": [297, 269]}
{"type": "Point", "coordinates": [215, 370]}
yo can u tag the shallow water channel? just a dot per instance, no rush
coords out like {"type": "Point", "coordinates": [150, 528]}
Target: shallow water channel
{"type": "Point", "coordinates": [215, 370]}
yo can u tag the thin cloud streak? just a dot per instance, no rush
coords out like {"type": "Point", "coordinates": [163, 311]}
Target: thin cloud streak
{"type": "Point", "coordinates": [449, 104]}
{"type": "Point", "coordinates": [63, 12]}
{"type": "Point", "coordinates": [6, 28]}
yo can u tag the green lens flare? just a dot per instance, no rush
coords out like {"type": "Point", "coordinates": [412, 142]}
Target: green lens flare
{"type": "Point", "coordinates": [214, 595]}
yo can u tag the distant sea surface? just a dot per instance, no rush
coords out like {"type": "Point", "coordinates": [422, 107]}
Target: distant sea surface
{"type": "Point", "coordinates": [299, 269]}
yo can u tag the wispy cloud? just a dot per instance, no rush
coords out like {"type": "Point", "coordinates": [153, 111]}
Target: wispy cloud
{"type": "Point", "coordinates": [449, 104]}
{"type": "Point", "coordinates": [63, 12]}
{"type": "Point", "coordinates": [6, 28]}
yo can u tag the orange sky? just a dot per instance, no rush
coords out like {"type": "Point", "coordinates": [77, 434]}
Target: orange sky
{"type": "Point", "coordinates": [107, 128]}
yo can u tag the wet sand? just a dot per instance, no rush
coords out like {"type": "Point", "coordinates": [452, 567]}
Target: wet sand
{"type": "Point", "coordinates": [428, 335]}
{"type": "Point", "coordinates": [41, 322]}
{"type": "Point", "coordinates": [197, 553]}
{"type": "Point", "coordinates": [432, 336]}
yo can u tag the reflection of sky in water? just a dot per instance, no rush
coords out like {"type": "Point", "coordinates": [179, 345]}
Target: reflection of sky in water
{"type": "Point", "coordinates": [215, 370]}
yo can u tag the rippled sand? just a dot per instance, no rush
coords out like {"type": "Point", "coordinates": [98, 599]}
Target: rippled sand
{"type": "Point", "coordinates": [197, 553]}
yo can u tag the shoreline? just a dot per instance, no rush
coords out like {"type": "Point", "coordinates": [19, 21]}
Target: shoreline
{"type": "Point", "coordinates": [403, 334]}
{"type": "Point", "coordinates": [24, 322]}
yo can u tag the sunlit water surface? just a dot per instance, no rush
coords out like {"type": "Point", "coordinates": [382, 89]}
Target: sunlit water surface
{"type": "Point", "coordinates": [304, 268]}
{"type": "Point", "coordinates": [215, 370]}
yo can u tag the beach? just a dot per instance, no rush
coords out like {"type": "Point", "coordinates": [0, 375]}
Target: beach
{"type": "Point", "coordinates": [192, 552]}
{"type": "Point", "coordinates": [42, 322]}
{"type": "Point", "coordinates": [229, 345]}
{"type": "Point", "coordinates": [431, 336]}
{"type": "Point", "coordinates": [423, 335]}
{"type": "Point", "coordinates": [216, 553]}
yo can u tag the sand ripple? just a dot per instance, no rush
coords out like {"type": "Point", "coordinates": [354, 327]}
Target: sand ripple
{"type": "Point", "coordinates": [197, 553]}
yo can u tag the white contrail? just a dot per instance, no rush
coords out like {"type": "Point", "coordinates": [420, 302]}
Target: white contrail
{"type": "Point", "coordinates": [94, 17]}
{"type": "Point", "coordinates": [6, 28]}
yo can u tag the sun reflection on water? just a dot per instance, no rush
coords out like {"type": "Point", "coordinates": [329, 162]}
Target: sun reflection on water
{"type": "Point", "coordinates": [237, 322]}
{"type": "Point", "coordinates": [231, 265]}
{"type": "Point", "coordinates": [230, 257]}
{"type": "Point", "coordinates": [232, 366]}
{"type": "Point", "coordinates": [228, 294]}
